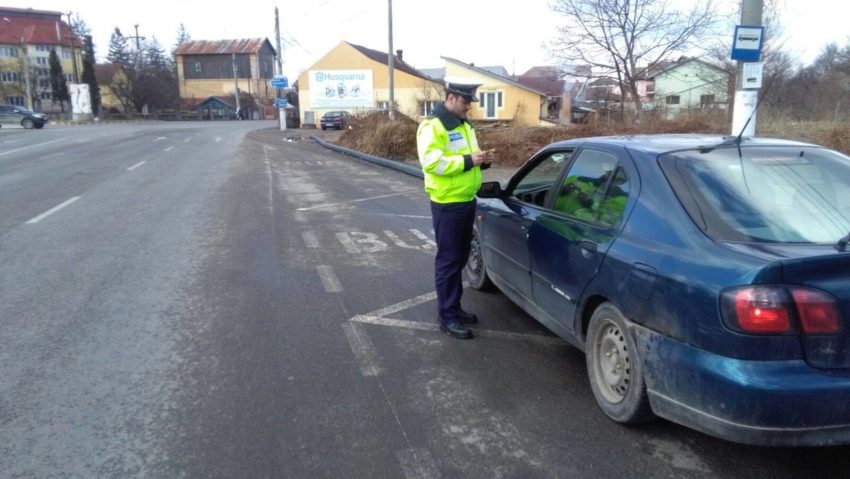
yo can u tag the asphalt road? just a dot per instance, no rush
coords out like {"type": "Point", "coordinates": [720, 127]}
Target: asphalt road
{"type": "Point", "coordinates": [214, 300]}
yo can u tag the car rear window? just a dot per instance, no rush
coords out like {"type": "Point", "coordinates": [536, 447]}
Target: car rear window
{"type": "Point", "coordinates": [765, 194]}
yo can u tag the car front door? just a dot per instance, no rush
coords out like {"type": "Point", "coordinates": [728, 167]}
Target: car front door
{"type": "Point", "coordinates": [568, 241]}
{"type": "Point", "coordinates": [507, 221]}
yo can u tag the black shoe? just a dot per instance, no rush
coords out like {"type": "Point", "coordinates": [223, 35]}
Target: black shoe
{"type": "Point", "coordinates": [456, 329]}
{"type": "Point", "coordinates": [468, 318]}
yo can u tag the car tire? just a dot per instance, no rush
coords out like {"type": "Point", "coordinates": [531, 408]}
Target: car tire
{"type": "Point", "coordinates": [323, 128]}
{"type": "Point", "coordinates": [39, 126]}
{"type": "Point", "coordinates": [615, 369]}
{"type": "Point", "coordinates": [27, 123]}
{"type": "Point", "coordinates": [475, 268]}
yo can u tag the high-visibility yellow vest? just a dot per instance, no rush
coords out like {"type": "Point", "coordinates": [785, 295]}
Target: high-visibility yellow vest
{"type": "Point", "coordinates": [445, 156]}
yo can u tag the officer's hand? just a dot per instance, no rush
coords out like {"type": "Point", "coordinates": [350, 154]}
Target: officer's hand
{"type": "Point", "coordinates": [480, 157]}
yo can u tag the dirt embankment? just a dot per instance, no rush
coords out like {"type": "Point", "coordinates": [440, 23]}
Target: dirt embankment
{"type": "Point", "coordinates": [374, 134]}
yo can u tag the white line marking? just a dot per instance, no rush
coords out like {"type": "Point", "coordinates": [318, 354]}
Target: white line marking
{"type": "Point", "coordinates": [187, 140]}
{"type": "Point", "coordinates": [363, 349]}
{"type": "Point", "coordinates": [418, 464]}
{"type": "Point", "coordinates": [329, 280]}
{"type": "Point", "coordinates": [310, 239]}
{"type": "Point", "coordinates": [299, 217]}
{"type": "Point", "coordinates": [33, 146]}
{"type": "Point", "coordinates": [352, 201]}
{"type": "Point", "coordinates": [424, 298]}
{"type": "Point", "coordinates": [218, 139]}
{"type": "Point", "coordinates": [484, 333]}
{"type": "Point", "coordinates": [348, 243]}
{"type": "Point", "coordinates": [169, 148]}
{"type": "Point", "coordinates": [429, 243]}
{"type": "Point", "coordinates": [160, 138]}
{"type": "Point", "coordinates": [136, 165]}
{"type": "Point", "coordinates": [52, 210]}
{"type": "Point", "coordinates": [398, 241]}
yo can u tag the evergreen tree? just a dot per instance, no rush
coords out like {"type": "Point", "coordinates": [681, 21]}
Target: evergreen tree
{"type": "Point", "coordinates": [79, 27]}
{"type": "Point", "coordinates": [182, 37]}
{"type": "Point", "coordinates": [89, 76]}
{"type": "Point", "coordinates": [58, 85]}
{"type": "Point", "coordinates": [119, 51]}
{"type": "Point", "coordinates": [157, 83]}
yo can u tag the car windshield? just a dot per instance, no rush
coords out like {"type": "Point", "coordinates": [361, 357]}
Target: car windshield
{"type": "Point", "coordinates": [765, 195]}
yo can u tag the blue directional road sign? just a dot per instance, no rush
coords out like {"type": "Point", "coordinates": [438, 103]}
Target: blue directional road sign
{"type": "Point", "coordinates": [280, 81]}
{"type": "Point", "coordinates": [746, 46]}
{"type": "Point", "coordinates": [281, 103]}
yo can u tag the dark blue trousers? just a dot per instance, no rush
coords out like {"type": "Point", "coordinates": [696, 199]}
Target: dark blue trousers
{"type": "Point", "coordinates": [453, 229]}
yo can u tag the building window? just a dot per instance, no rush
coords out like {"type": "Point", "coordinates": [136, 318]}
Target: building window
{"type": "Point", "coordinates": [197, 67]}
{"type": "Point", "coordinates": [498, 99]}
{"type": "Point", "coordinates": [15, 100]}
{"type": "Point", "coordinates": [45, 96]}
{"type": "Point", "coordinates": [9, 77]}
{"type": "Point", "coordinates": [383, 105]}
{"type": "Point", "coordinates": [426, 108]}
{"type": "Point", "coordinates": [672, 100]}
{"type": "Point", "coordinates": [41, 61]}
{"type": "Point", "coordinates": [706, 101]}
{"type": "Point", "coordinates": [66, 54]}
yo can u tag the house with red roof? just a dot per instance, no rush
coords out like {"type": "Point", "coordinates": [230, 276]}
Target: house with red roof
{"type": "Point", "coordinates": [26, 38]}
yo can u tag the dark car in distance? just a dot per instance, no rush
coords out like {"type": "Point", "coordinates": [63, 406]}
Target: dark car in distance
{"type": "Point", "coordinates": [707, 279]}
{"type": "Point", "coordinates": [335, 119]}
{"type": "Point", "coordinates": [18, 115]}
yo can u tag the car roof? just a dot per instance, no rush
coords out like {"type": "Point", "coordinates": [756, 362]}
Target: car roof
{"type": "Point", "coordinates": [663, 143]}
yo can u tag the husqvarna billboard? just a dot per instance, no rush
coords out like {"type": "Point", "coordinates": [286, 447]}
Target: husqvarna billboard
{"type": "Point", "coordinates": [341, 89]}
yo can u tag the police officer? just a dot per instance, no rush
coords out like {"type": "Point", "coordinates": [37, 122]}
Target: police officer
{"type": "Point", "coordinates": [452, 162]}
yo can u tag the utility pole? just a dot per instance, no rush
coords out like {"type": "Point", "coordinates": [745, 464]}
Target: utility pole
{"type": "Point", "coordinates": [26, 73]}
{"type": "Point", "coordinates": [138, 45]}
{"type": "Point", "coordinates": [236, 83]}
{"type": "Point", "coordinates": [73, 53]}
{"type": "Point", "coordinates": [281, 112]}
{"type": "Point", "coordinates": [391, 62]}
{"type": "Point", "coordinates": [746, 100]}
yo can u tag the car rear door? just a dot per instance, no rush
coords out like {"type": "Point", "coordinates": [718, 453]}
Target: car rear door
{"type": "Point", "coordinates": [507, 221]}
{"type": "Point", "coordinates": [568, 241]}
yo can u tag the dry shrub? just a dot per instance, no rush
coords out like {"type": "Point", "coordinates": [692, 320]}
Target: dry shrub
{"type": "Point", "coordinates": [837, 138]}
{"type": "Point", "coordinates": [376, 135]}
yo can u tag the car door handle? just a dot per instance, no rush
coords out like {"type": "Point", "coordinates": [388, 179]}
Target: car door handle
{"type": "Point", "coordinates": [588, 246]}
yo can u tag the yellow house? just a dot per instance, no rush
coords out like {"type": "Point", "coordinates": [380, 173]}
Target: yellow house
{"type": "Point", "coordinates": [111, 77]}
{"type": "Point", "coordinates": [501, 98]}
{"type": "Point", "coordinates": [27, 37]}
{"type": "Point", "coordinates": [354, 78]}
{"type": "Point", "coordinates": [205, 69]}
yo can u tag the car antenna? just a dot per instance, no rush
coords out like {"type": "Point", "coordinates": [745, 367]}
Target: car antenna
{"type": "Point", "coordinates": [736, 140]}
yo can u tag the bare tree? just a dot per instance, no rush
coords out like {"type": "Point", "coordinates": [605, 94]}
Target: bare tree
{"type": "Point", "coordinates": [618, 37]}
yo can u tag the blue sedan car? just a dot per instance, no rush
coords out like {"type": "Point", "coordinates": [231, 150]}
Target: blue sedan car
{"type": "Point", "coordinates": [706, 279]}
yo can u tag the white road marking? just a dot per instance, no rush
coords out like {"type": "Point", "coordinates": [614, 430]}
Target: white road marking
{"type": "Point", "coordinates": [299, 217]}
{"type": "Point", "coordinates": [348, 243]}
{"type": "Point", "coordinates": [417, 464]}
{"type": "Point", "coordinates": [329, 280]}
{"type": "Point", "coordinates": [407, 304]}
{"type": "Point", "coordinates": [310, 239]}
{"type": "Point", "coordinates": [52, 210]}
{"type": "Point", "coordinates": [169, 148]}
{"type": "Point", "coordinates": [136, 165]}
{"type": "Point", "coordinates": [353, 201]}
{"type": "Point", "coordinates": [218, 139]}
{"type": "Point", "coordinates": [429, 243]}
{"type": "Point", "coordinates": [187, 140]}
{"type": "Point", "coordinates": [433, 326]}
{"type": "Point", "coordinates": [363, 349]}
{"type": "Point", "coordinates": [160, 138]}
{"type": "Point", "coordinates": [9, 152]}
{"type": "Point", "coordinates": [398, 241]}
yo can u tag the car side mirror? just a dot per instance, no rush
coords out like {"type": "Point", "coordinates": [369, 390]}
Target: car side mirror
{"type": "Point", "coordinates": [490, 189]}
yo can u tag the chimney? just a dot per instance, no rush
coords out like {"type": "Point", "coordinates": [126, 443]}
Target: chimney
{"type": "Point", "coordinates": [398, 54]}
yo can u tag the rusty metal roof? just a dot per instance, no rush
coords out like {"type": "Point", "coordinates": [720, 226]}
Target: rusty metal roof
{"type": "Point", "coordinates": [222, 47]}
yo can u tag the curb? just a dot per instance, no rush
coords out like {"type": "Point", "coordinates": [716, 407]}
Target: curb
{"type": "Point", "coordinates": [407, 169]}
{"type": "Point", "coordinates": [99, 122]}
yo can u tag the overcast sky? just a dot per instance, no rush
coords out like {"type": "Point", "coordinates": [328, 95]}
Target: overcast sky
{"type": "Point", "coordinates": [511, 34]}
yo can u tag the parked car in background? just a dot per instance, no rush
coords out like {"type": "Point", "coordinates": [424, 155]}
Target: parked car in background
{"type": "Point", "coordinates": [335, 119]}
{"type": "Point", "coordinates": [18, 115]}
{"type": "Point", "coordinates": [706, 279]}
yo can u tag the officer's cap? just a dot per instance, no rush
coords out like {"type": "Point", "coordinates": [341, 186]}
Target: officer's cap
{"type": "Point", "coordinates": [465, 87]}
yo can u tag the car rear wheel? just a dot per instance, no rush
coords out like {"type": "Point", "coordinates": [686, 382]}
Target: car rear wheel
{"type": "Point", "coordinates": [27, 123]}
{"type": "Point", "coordinates": [475, 268]}
{"type": "Point", "coordinates": [615, 369]}
{"type": "Point", "coordinates": [39, 126]}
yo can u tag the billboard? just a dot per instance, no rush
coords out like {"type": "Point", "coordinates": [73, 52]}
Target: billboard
{"type": "Point", "coordinates": [341, 89]}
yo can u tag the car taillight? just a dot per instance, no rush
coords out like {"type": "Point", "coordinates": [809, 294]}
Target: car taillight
{"type": "Point", "coordinates": [777, 309]}
{"type": "Point", "coordinates": [818, 312]}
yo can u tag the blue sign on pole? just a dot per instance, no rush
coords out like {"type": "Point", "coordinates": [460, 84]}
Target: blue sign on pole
{"type": "Point", "coordinates": [281, 103]}
{"type": "Point", "coordinates": [280, 81]}
{"type": "Point", "coordinates": [746, 46]}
